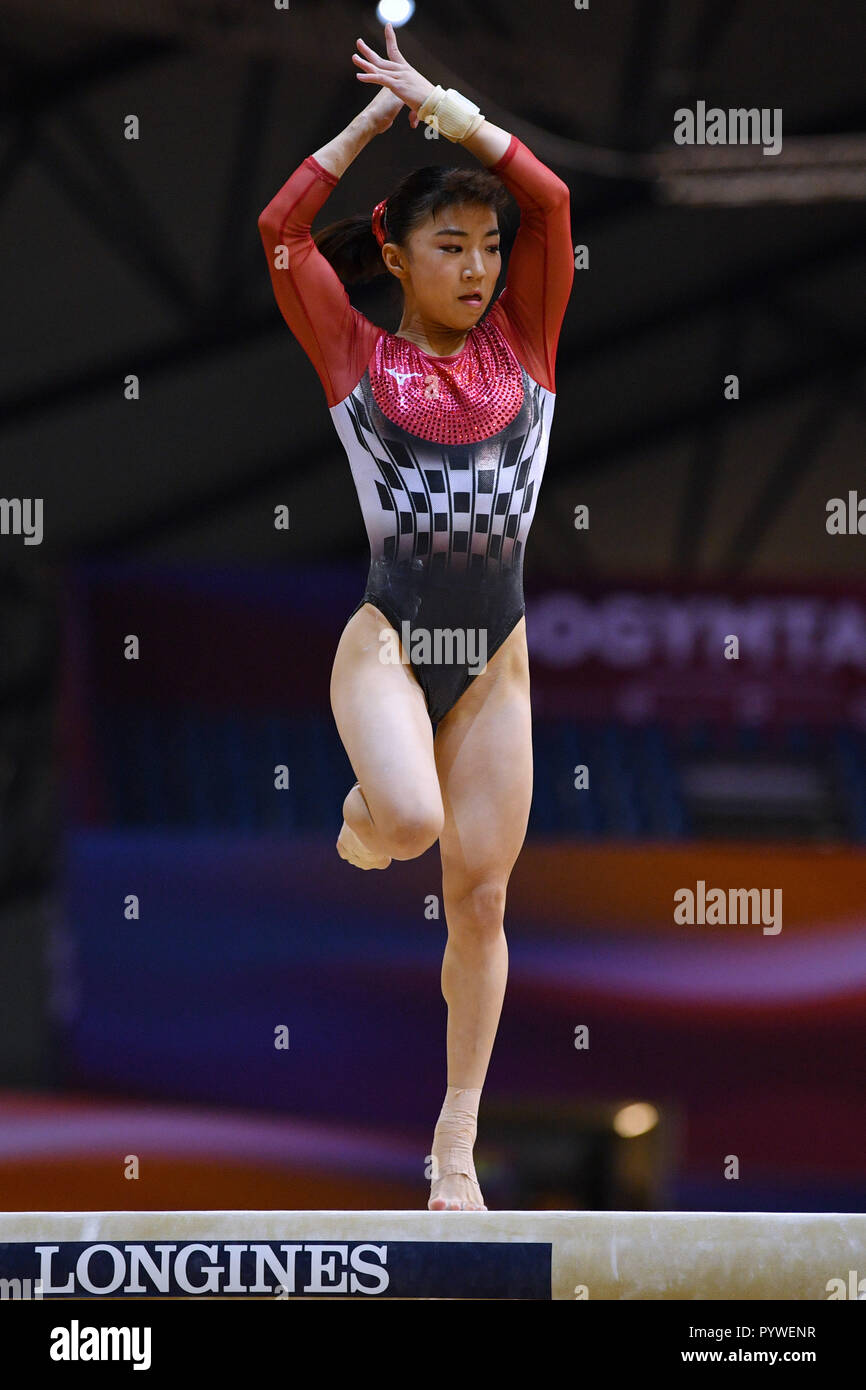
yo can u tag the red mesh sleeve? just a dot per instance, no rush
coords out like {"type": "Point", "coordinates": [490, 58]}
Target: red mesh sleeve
{"type": "Point", "coordinates": [312, 299]}
{"type": "Point", "coordinates": [532, 306]}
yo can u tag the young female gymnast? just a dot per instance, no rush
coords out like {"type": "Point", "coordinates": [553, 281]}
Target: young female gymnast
{"type": "Point", "coordinates": [446, 424]}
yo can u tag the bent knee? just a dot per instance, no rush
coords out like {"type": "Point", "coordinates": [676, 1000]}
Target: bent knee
{"type": "Point", "coordinates": [411, 832]}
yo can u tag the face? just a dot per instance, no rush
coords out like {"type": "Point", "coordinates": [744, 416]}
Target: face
{"type": "Point", "coordinates": [450, 265]}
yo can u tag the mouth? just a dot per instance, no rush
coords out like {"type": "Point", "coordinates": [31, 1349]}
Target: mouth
{"type": "Point", "coordinates": [474, 298]}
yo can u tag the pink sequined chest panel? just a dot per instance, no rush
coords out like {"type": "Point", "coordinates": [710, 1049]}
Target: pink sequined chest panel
{"type": "Point", "coordinates": [447, 458]}
{"type": "Point", "coordinates": [457, 400]}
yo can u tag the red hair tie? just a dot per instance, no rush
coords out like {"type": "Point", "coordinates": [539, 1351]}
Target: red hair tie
{"type": "Point", "coordinates": [378, 220]}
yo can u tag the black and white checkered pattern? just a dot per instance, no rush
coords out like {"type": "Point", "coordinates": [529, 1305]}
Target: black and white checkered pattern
{"type": "Point", "coordinates": [451, 507]}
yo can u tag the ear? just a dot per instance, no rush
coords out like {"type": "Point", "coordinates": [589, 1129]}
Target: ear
{"type": "Point", "coordinates": [395, 260]}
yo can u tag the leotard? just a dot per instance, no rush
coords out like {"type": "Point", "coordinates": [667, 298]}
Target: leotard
{"type": "Point", "coordinates": [447, 453]}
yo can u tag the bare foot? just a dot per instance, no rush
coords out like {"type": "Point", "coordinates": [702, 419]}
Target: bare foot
{"type": "Point", "coordinates": [455, 1192]}
{"type": "Point", "coordinates": [350, 848]}
{"type": "Point", "coordinates": [454, 1182]}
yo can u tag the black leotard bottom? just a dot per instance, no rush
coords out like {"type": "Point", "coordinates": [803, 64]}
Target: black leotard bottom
{"type": "Point", "coordinates": [465, 614]}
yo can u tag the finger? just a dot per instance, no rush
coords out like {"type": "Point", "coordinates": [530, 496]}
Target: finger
{"type": "Point", "coordinates": [391, 42]}
{"type": "Point", "coordinates": [373, 54]}
{"type": "Point", "coordinates": [365, 61]}
{"type": "Point", "coordinates": [371, 51]}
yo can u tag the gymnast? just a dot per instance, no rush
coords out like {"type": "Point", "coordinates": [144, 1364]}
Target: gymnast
{"type": "Point", "coordinates": [446, 424]}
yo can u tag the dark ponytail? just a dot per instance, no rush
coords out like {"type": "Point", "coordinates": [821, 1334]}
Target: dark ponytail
{"type": "Point", "coordinates": [350, 244]}
{"type": "Point", "coordinates": [351, 248]}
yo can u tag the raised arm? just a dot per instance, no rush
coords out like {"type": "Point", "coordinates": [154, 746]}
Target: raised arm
{"type": "Point", "coordinates": [312, 299]}
{"type": "Point", "coordinates": [532, 305]}
{"type": "Point", "coordinates": [531, 308]}
{"type": "Point", "coordinates": [540, 275]}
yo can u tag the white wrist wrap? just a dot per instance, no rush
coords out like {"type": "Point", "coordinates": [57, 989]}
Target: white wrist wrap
{"type": "Point", "coordinates": [454, 115]}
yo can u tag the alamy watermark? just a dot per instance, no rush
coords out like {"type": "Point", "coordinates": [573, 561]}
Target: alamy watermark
{"type": "Point", "coordinates": [736, 126]}
{"type": "Point", "coordinates": [22, 516]}
{"type": "Point", "coordinates": [438, 646]}
{"type": "Point", "coordinates": [20, 1289]}
{"type": "Point", "coordinates": [715, 907]}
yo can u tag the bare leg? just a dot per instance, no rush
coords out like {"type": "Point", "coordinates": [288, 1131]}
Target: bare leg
{"type": "Point", "coordinates": [395, 808]}
{"type": "Point", "coordinates": [484, 757]}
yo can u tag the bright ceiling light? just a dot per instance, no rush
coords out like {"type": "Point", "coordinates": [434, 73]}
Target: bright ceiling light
{"type": "Point", "coordinates": [395, 12]}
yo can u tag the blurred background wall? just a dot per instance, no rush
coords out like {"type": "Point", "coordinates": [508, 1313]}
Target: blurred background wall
{"type": "Point", "coordinates": [189, 975]}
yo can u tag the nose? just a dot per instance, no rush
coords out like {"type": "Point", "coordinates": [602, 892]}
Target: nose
{"type": "Point", "coordinates": [475, 268]}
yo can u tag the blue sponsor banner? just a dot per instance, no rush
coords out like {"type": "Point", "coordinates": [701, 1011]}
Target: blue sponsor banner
{"type": "Point", "coordinates": [288, 1269]}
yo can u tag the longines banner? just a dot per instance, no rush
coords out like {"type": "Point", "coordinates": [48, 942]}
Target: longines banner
{"type": "Point", "coordinates": [275, 1269]}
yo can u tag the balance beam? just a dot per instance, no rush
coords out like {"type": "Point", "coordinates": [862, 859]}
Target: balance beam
{"type": "Point", "coordinates": [432, 1255]}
